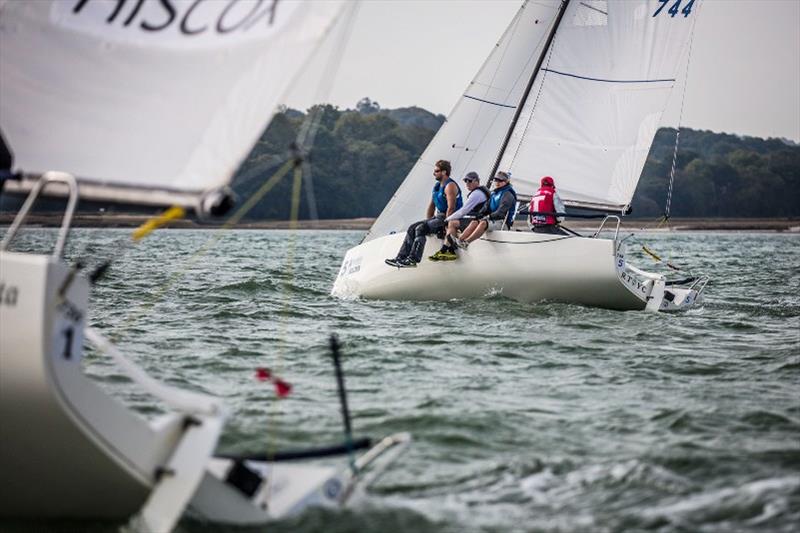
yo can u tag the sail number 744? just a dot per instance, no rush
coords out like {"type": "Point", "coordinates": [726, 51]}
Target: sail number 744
{"type": "Point", "coordinates": [676, 8]}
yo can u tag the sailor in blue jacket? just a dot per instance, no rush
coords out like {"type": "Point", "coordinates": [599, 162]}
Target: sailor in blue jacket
{"type": "Point", "coordinates": [445, 199]}
{"type": "Point", "coordinates": [498, 212]}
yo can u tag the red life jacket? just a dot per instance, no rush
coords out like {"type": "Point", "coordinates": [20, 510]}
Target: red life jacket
{"type": "Point", "coordinates": [543, 202]}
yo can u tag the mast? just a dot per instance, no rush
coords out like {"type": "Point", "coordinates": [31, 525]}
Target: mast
{"type": "Point", "coordinates": [526, 93]}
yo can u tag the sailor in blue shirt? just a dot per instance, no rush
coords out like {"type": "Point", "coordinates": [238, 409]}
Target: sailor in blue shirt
{"type": "Point", "coordinates": [445, 199]}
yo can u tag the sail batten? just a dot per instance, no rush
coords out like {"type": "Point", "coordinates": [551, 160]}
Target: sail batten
{"type": "Point", "coordinates": [149, 95]}
{"type": "Point", "coordinates": [589, 78]}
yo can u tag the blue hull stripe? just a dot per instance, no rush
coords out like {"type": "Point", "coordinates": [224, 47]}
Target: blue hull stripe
{"type": "Point", "coordinates": [606, 81]}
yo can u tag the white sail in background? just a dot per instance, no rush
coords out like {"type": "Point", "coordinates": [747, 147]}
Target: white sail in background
{"type": "Point", "coordinates": [153, 101]}
{"type": "Point", "coordinates": [474, 131]}
{"type": "Point", "coordinates": [597, 101]}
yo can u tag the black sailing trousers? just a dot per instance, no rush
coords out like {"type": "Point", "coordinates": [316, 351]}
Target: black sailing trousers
{"type": "Point", "coordinates": [414, 243]}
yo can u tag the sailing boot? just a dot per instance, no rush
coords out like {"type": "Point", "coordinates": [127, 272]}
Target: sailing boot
{"type": "Point", "coordinates": [439, 254]}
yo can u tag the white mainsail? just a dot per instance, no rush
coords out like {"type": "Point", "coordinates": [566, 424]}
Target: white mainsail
{"type": "Point", "coordinates": [153, 101]}
{"type": "Point", "coordinates": [474, 131]}
{"type": "Point", "coordinates": [589, 118]}
{"type": "Point", "coordinates": [597, 101]}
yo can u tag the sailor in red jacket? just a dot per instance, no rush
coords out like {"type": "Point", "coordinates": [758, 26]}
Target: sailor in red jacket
{"type": "Point", "coordinates": [543, 206]}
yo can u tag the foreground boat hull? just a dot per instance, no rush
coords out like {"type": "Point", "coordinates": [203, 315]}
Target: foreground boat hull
{"type": "Point", "coordinates": [68, 450]}
{"type": "Point", "coordinates": [525, 266]}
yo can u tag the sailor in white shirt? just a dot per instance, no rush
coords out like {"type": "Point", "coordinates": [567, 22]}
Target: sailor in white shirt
{"type": "Point", "coordinates": [478, 195]}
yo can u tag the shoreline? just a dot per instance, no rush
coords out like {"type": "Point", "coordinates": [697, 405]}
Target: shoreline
{"type": "Point", "coordinates": [789, 225]}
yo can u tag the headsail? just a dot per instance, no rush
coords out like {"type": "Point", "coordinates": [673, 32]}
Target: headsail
{"type": "Point", "coordinates": [597, 101]}
{"type": "Point", "coordinates": [148, 101]}
{"type": "Point", "coordinates": [474, 131]}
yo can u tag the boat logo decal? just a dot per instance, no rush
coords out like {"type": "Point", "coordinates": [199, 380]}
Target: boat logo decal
{"type": "Point", "coordinates": [633, 282]}
{"type": "Point", "coordinates": [332, 488]}
{"type": "Point", "coordinates": [8, 295]}
{"type": "Point", "coordinates": [350, 266]}
{"type": "Point", "coordinates": [173, 23]}
{"type": "Point", "coordinates": [71, 311]}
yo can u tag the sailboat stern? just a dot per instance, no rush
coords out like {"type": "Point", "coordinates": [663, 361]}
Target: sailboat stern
{"type": "Point", "coordinates": [659, 293]}
{"type": "Point", "coordinates": [47, 452]}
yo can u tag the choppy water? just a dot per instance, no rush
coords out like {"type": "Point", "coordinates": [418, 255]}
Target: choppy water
{"type": "Point", "coordinates": [546, 417]}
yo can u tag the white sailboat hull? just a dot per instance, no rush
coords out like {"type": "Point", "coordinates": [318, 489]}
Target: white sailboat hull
{"type": "Point", "coordinates": [68, 450]}
{"type": "Point", "coordinates": [525, 266]}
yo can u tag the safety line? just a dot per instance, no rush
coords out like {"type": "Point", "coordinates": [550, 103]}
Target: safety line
{"type": "Point", "coordinates": [531, 242]}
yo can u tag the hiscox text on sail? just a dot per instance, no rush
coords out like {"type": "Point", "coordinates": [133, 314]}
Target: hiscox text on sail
{"type": "Point", "coordinates": [189, 17]}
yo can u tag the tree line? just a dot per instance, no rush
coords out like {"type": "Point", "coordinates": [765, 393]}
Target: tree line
{"type": "Point", "coordinates": [360, 156]}
{"type": "Point", "coordinates": [720, 175]}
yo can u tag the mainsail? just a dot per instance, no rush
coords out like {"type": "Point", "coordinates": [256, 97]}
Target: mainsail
{"type": "Point", "coordinates": [597, 102]}
{"type": "Point", "coordinates": [590, 117]}
{"type": "Point", "coordinates": [147, 101]}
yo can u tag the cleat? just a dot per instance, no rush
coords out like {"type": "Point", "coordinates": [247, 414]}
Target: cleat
{"type": "Point", "coordinates": [447, 256]}
{"type": "Point", "coordinates": [462, 244]}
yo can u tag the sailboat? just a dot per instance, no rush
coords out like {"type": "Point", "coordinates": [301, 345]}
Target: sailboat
{"type": "Point", "coordinates": [148, 103]}
{"type": "Point", "coordinates": [574, 90]}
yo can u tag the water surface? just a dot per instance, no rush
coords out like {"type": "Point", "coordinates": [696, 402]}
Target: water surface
{"type": "Point", "coordinates": [526, 417]}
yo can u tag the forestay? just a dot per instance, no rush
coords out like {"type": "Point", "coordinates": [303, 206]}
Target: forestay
{"type": "Point", "coordinates": [148, 101]}
{"type": "Point", "coordinates": [474, 131]}
{"type": "Point", "coordinates": [598, 99]}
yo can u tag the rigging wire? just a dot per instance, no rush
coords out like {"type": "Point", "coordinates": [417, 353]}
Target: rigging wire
{"type": "Point", "coordinates": [297, 163]}
{"type": "Point", "coordinates": [302, 173]}
{"type": "Point", "coordinates": [308, 132]}
{"type": "Point", "coordinates": [665, 217]}
{"type": "Point", "coordinates": [668, 205]}
{"type": "Point", "coordinates": [305, 139]}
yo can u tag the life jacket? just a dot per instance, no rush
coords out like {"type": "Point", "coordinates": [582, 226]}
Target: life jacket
{"type": "Point", "coordinates": [475, 211]}
{"type": "Point", "coordinates": [494, 202]}
{"type": "Point", "coordinates": [543, 202]}
{"type": "Point", "coordinates": [439, 198]}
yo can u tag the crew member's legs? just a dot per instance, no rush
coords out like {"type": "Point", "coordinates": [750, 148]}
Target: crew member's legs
{"type": "Point", "coordinates": [432, 225]}
{"type": "Point", "coordinates": [484, 226]}
{"type": "Point", "coordinates": [477, 232]}
{"type": "Point", "coordinates": [408, 242]}
{"type": "Point", "coordinates": [469, 230]}
{"type": "Point", "coordinates": [449, 244]}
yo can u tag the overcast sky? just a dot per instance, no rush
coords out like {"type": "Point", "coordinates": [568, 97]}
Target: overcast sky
{"type": "Point", "coordinates": [744, 74]}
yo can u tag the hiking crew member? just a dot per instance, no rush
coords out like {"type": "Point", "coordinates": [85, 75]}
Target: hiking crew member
{"type": "Point", "coordinates": [497, 213]}
{"type": "Point", "coordinates": [477, 197]}
{"type": "Point", "coordinates": [544, 206]}
{"type": "Point", "coordinates": [445, 200]}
